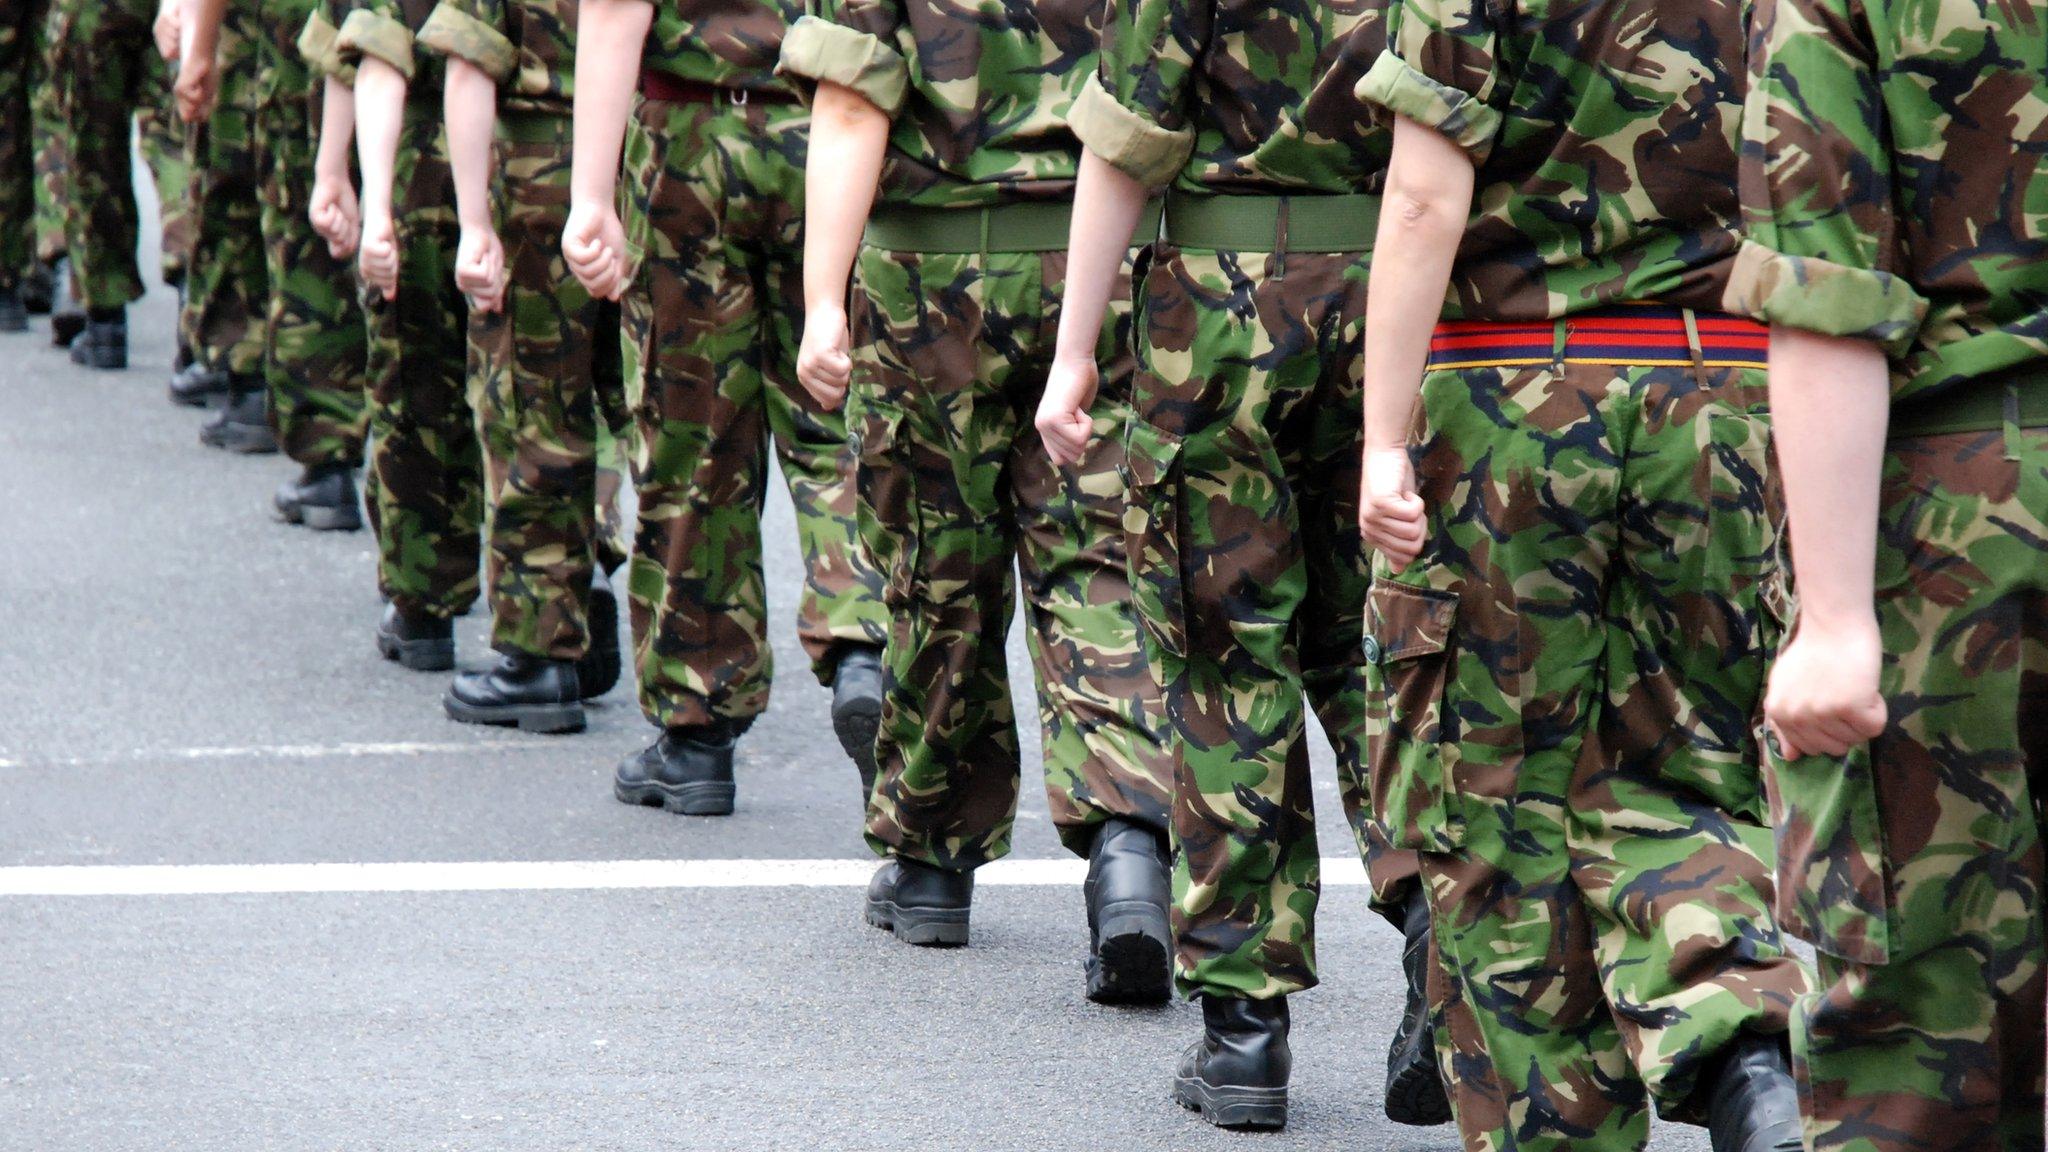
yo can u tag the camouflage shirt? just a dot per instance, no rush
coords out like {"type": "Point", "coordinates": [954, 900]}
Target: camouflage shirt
{"type": "Point", "coordinates": [1237, 96]}
{"type": "Point", "coordinates": [1893, 175]}
{"type": "Point", "coordinates": [527, 46]}
{"type": "Point", "coordinates": [978, 91]}
{"type": "Point", "coordinates": [385, 29]}
{"type": "Point", "coordinates": [317, 40]}
{"type": "Point", "coordinates": [1605, 137]}
{"type": "Point", "coordinates": [730, 43]}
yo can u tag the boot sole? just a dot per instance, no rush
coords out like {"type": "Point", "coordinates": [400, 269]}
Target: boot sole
{"type": "Point", "coordinates": [246, 443]}
{"type": "Point", "coordinates": [924, 927]}
{"type": "Point", "coordinates": [418, 655]}
{"type": "Point", "coordinates": [1227, 1107]}
{"type": "Point", "coordinates": [1132, 961]}
{"type": "Point", "coordinates": [702, 798]}
{"type": "Point", "coordinates": [1415, 1096]}
{"type": "Point", "coordinates": [545, 719]}
{"type": "Point", "coordinates": [321, 519]}
{"type": "Point", "coordinates": [857, 727]}
{"type": "Point", "coordinates": [195, 399]}
{"type": "Point", "coordinates": [103, 363]}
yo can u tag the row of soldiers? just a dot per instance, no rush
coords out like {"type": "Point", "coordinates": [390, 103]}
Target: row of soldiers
{"type": "Point", "coordinates": [1460, 371]}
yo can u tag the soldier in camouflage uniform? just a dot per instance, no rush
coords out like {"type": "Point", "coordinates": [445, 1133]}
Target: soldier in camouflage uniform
{"type": "Point", "coordinates": [713, 215]}
{"type": "Point", "coordinates": [427, 505]}
{"type": "Point", "coordinates": [544, 365]}
{"type": "Point", "coordinates": [224, 314]}
{"type": "Point", "coordinates": [1891, 169]}
{"type": "Point", "coordinates": [1243, 519]}
{"type": "Point", "coordinates": [1569, 488]}
{"type": "Point", "coordinates": [956, 293]}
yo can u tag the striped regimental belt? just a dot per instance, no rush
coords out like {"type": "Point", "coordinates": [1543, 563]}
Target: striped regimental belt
{"type": "Point", "coordinates": [1631, 335]}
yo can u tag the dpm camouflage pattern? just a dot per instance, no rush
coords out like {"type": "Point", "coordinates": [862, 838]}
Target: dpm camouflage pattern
{"type": "Point", "coordinates": [956, 494]}
{"type": "Point", "coordinates": [1563, 696]}
{"type": "Point", "coordinates": [226, 311]}
{"type": "Point", "coordinates": [546, 387]}
{"type": "Point", "coordinates": [1916, 863]}
{"type": "Point", "coordinates": [103, 53]}
{"type": "Point", "coordinates": [714, 210]}
{"type": "Point", "coordinates": [165, 152]}
{"type": "Point", "coordinates": [53, 155]}
{"type": "Point", "coordinates": [1605, 137]}
{"type": "Point", "coordinates": [427, 492]}
{"type": "Point", "coordinates": [1247, 565]}
{"type": "Point", "coordinates": [316, 341]}
{"type": "Point", "coordinates": [20, 42]}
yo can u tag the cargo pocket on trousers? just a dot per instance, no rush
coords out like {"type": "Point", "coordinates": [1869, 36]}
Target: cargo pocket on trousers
{"type": "Point", "coordinates": [1411, 731]}
{"type": "Point", "coordinates": [886, 490]}
{"type": "Point", "coordinates": [1152, 533]}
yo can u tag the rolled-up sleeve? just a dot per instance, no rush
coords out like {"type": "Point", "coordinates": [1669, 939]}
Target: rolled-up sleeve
{"type": "Point", "coordinates": [851, 45]}
{"type": "Point", "coordinates": [316, 43]}
{"type": "Point", "coordinates": [376, 31]}
{"type": "Point", "coordinates": [1133, 111]}
{"type": "Point", "coordinates": [1818, 184]}
{"type": "Point", "coordinates": [1442, 69]}
{"type": "Point", "coordinates": [472, 31]}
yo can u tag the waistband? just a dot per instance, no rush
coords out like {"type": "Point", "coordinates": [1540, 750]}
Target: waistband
{"type": "Point", "coordinates": [1629, 335]}
{"type": "Point", "coordinates": [1307, 224]}
{"type": "Point", "coordinates": [534, 125]}
{"type": "Point", "coordinates": [676, 90]}
{"type": "Point", "coordinates": [2018, 396]}
{"type": "Point", "coordinates": [1038, 226]}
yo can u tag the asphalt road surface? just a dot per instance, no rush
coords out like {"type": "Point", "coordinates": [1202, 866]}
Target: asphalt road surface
{"type": "Point", "coordinates": [315, 914]}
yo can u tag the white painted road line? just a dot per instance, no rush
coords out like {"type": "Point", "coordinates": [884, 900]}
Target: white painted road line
{"type": "Point", "coordinates": [516, 876]}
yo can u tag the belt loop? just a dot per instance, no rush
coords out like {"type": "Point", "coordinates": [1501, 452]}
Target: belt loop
{"type": "Point", "coordinates": [1561, 336]}
{"type": "Point", "coordinates": [1282, 225]}
{"type": "Point", "coordinates": [2012, 422]}
{"type": "Point", "coordinates": [986, 215]}
{"type": "Point", "coordinates": [1693, 345]}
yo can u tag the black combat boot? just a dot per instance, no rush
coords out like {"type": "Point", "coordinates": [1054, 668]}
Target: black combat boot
{"type": "Point", "coordinates": [38, 289]}
{"type": "Point", "coordinates": [1129, 889]}
{"type": "Point", "coordinates": [66, 322]}
{"type": "Point", "coordinates": [857, 709]}
{"type": "Point", "coordinates": [1415, 1084]}
{"type": "Point", "coordinates": [195, 385]}
{"type": "Point", "coordinates": [323, 498]}
{"type": "Point", "coordinates": [688, 771]}
{"type": "Point", "coordinates": [921, 904]}
{"type": "Point", "coordinates": [104, 343]}
{"type": "Point", "coordinates": [423, 643]}
{"type": "Point", "coordinates": [13, 313]}
{"type": "Point", "coordinates": [244, 422]}
{"type": "Point", "coordinates": [533, 692]}
{"type": "Point", "coordinates": [601, 666]}
{"type": "Point", "coordinates": [1236, 1074]}
{"type": "Point", "coordinates": [1752, 1101]}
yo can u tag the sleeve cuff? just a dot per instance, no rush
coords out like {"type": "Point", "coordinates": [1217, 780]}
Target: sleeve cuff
{"type": "Point", "coordinates": [1398, 87]}
{"type": "Point", "coordinates": [453, 32]}
{"type": "Point", "coordinates": [316, 44]}
{"type": "Point", "coordinates": [1136, 146]}
{"type": "Point", "coordinates": [1824, 297]}
{"type": "Point", "coordinates": [379, 37]}
{"type": "Point", "coordinates": [819, 50]}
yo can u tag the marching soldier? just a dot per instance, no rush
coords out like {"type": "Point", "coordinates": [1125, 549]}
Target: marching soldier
{"type": "Point", "coordinates": [713, 210]}
{"type": "Point", "coordinates": [1243, 461]}
{"type": "Point", "coordinates": [1892, 248]}
{"type": "Point", "coordinates": [941, 185]}
{"type": "Point", "coordinates": [1569, 488]}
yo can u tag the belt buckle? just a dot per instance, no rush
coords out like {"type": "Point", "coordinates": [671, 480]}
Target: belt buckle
{"type": "Point", "coordinates": [737, 97]}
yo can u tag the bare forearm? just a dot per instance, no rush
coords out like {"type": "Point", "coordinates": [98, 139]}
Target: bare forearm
{"type": "Point", "coordinates": [1830, 408]}
{"type": "Point", "coordinates": [609, 39]}
{"type": "Point", "coordinates": [337, 129]}
{"type": "Point", "coordinates": [849, 138]}
{"type": "Point", "coordinates": [380, 118]}
{"type": "Point", "coordinates": [200, 32]}
{"type": "Point", "coordinates": [1422, 220]}
{"type": "Point", "coordinates": [470, 108]}
{"type": "Point", "coordinates": [1107, 207]}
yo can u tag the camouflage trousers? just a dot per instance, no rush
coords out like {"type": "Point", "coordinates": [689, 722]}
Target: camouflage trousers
{"type": "Point", "coordinates": [20, 41]}
{"type": "Point", "coordinates": [957, 496]}
{"type": "Point", "coordinates": [547, 392]}
{"type": "Point", "coordinates": [426, 485]}
{"type": "Point", "coordinates": [165, 153]}
{"type": "Point", "coordinates": [1915, 865]}
{"type": "Point", "coordinates": [104, 62]}
{"type": "Point", "coordinates": [316, 343]}
{"type": "Point", "coordinates": [714, 206]}
{"type": "Point", "coordinates": [1564, 691]}
{"type": "Point", "coordinates": [1251, 575]}
{"type": "Point", "coordinates": [52, 155]}
{"type": "Point", "coordinates": [225, 288]}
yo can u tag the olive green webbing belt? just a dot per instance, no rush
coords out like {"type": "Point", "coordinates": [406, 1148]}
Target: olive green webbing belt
{"type": "Point", "coordinates": [1032, 227]}
{"type": "Point", "coordinates": [1304, 224]}
{"type": "Point", "coordinates": [2018, 396]}
{"type": "Point", "coordinates": [534, 126]}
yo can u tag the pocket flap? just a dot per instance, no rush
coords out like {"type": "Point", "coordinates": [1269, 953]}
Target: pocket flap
{"type": "Point", "coordinates": [1407, 621]}
{"type": "Point", "coordinates": [1149, 454]}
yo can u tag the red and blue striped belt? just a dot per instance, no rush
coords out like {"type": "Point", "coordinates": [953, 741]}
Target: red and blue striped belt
{"type": "Point", "coordinates": [1632, 335]}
